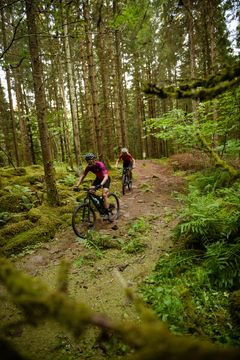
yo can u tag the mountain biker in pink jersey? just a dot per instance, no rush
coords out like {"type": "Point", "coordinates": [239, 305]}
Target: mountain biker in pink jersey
{"type": "Point", "coordinates": [127, 159]}
{"type": "Point", "coordinates": [102, 177]}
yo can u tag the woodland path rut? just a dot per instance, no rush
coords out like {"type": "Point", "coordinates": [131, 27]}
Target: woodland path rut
{"type": "Point", "coordinates": [92, 277]}
{"type": "Point", "coordinates": [94, 282]}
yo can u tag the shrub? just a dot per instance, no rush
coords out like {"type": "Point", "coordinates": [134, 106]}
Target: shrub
{"type": "Point", "coordinates": [189, 161]}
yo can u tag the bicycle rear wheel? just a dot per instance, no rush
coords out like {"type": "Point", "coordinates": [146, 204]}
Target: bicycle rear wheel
{"type": "Point", "coordinates": [83, 220]}
{"type": "Point", "coordinates": [113, 210]}
{"type": "Point", "coordinates": [130, 185]}
{"type": "Point", "coordinates": [124, 184]}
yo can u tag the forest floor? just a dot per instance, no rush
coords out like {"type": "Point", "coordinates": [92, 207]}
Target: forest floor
{"type": "Point", "coordinates": [92, 277]}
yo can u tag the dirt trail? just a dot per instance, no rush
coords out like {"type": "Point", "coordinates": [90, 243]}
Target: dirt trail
{"type": "Point", "coordinates": [153, 185]}
{"type": "Point", "coordinates": [93, 280]}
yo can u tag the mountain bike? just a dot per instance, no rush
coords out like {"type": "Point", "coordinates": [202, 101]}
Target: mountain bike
{"type": "Point", "coordinates": [84, 215]}
{"type": "Point", "coordinates": [126, 179]}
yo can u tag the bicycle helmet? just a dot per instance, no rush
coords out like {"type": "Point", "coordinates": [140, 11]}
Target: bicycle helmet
{"type": "Point", "coordinates": [90, 156]}
{"type": "Point", "coordinates": [124, 150]}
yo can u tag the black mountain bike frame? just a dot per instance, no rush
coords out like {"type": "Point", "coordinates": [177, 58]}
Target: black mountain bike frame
{"type": "Point", "coordinates": [84, 217]}
{"type": "Point", "coordinates": [126, 180]}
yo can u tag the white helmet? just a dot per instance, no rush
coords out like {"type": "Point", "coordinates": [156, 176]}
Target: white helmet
{"type": "Point", "coordinates": [124, 150]}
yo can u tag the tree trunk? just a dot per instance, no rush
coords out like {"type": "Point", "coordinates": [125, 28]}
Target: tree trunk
{"type": "Point", "coordinates": [66, 135]}
{"type": "Point", "coordinates": [92, 80]}
{"type": "Point", "coordinates": [119, 80]}
{"type": "Point", "coordinates": [4, 119]}
{"type": "Point", "coordinates": [29, 129]}
{"type": "Point", "coordinates": [104, 65]}
{"type": "Point", "coordinates": [88, 118]}
{"type": "Point", "coordinates": [72, 95]}
{"type": "Point", "coordinates": [8, 78]}
{"type": "Point", "coordinates": [139, 108]}
{"type": "Point", "coordinates": [26, 151]}
{"type": "Point", "coordinates": [40, 101]}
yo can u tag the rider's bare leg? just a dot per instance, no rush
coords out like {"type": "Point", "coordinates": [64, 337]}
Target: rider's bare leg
{"type": "Point", "coordinates": [105, 192]}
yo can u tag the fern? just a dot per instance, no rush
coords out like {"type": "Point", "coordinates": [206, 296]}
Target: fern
{"type": "Point", "coordinates": [200, 220]}
{"type": "Point", "coordinates": [209, 217]}
{"type": "Point", "coordinates": [222, 262]}
{"type": "Point", "coordinates": [173, 264]}
{"type": "Point", "coordinates": [211, 180]}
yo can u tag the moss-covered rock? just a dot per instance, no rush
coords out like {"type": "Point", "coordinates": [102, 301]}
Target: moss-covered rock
{"type": "Point", "coordinates": [35, 214]}
{"type": "Point", "coordinates": [12, 203]}
{"type": "Point", "coordinates": [31, 179]}
{"type": "Point", "coordinates": [46, 222]}
{"type": "Point", "coordinates": [39, 234]}
{"type": "Point", "coordinates": [10, 230]}
{"type": "Point", "coordinates": [67, 209]}
{"type": "Point", "coordinates": [10, 171]}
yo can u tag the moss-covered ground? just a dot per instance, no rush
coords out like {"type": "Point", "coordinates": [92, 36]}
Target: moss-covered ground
{"type": "Point", "coordinates": [130, 247]}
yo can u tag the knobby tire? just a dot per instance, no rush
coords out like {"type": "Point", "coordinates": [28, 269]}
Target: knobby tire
{"type": "Point", "coordinates": [130, 185]}
{"type": "Point", "coordinates": [83, 220]}
{"type": "Point", "coordinates": [113, 212]}
{"type": "Point", "coordinates": [124, 184]}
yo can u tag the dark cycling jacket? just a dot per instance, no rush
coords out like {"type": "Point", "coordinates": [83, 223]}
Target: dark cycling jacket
{"type": "Point", "coordinates": [99, 169]}
{"type": "Point", "coordinates": [127, 159]}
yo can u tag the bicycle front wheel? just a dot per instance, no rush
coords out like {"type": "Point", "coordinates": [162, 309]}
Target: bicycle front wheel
{"type": "Point", "coordinates": [83, 220]}
{"type": "Point", "coordinates": [113, 210]}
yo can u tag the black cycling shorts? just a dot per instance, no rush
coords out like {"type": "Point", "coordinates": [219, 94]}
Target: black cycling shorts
{"type": "Point", "coordinates": [106, 185]}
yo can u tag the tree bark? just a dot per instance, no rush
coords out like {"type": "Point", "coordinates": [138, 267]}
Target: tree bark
{"type": "Point", "coordinates": [26, 151]}
{"type": "Point", "coordinates": [139, 107]}
{"type": "Point", "coordinates": [104, 65]}
{"type": "Point", "coordinates": [119, 80]}
{"type": "Point", "coordinates": [40, 101]}
{"type": "Point", "coordinates": [72, 95]}
{"type": "Point", "coordinates": [4, 126]}
{"type": "Point", "coordinates": [66, 134]}
{"type": "Point", "coordinates": [88, 118]}
{"type": "Point", "coordinates": [8, 78]}
{"type": "Point", "coordinates": [92, 79]}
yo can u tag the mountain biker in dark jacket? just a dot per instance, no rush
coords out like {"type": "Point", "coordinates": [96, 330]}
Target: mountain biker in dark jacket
{"type": "Point", "coordinates": [127, 159]}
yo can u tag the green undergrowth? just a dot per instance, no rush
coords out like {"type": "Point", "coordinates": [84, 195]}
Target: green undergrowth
{"type": "Point", "coordinates": [25, 217]}
{"type": "Point", "coordinates": [210, 221]}
{"type": "Point", "coordinates": [181, 293]}
{"type": "Point", "coordinates": [132, 241]}
{"type": "Point", "coordinates": [194, 288]}
{"type": "Point", "coordinates": [137, 236]}
{"type": "Point", "coordinates": [40, 226]}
